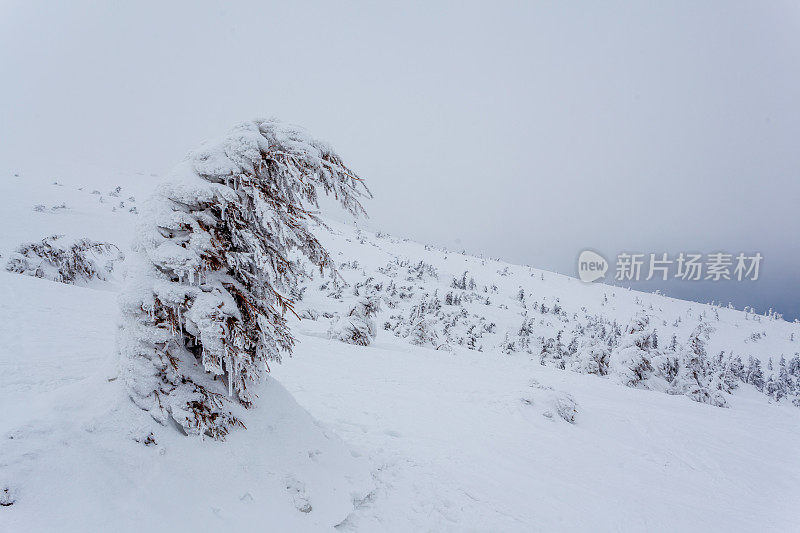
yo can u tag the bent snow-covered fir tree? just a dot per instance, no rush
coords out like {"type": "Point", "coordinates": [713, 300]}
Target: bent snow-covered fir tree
{"type": "Point", "coordinates": [216, 262]}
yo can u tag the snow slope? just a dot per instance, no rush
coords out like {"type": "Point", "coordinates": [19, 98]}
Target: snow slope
{"type": "Point", "coordinates": [388, 437]}
{"type": "Point", "coordinates": [461, 444]}
{"type": "Point", "coordinates": [471, 439]}
{"type": "Point", "coordinates": [385, 258]}
{"type": "Point", "coordinates": [73, 452]}
{"type": "Point", "coordinates": [76, 455]}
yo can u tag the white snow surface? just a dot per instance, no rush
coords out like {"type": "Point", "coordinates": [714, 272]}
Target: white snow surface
{"type": "Point", "coordinates": [386, 437]}
{"type": "Point", "coordinates": [69, 452]}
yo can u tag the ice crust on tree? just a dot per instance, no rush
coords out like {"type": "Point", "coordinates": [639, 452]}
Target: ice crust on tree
{"type": "Point", "coordinates": [215, 268]}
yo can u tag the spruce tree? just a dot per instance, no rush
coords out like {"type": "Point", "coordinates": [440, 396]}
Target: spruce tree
{"type": "Point", "coordinates": [358, 326]}
{"type": "Point", "coordinates": [592, 357]}
{"type": "Point", "coordinates": [794, 366]}
{"type": "Point", "coordinates": [631, 360]}
{"type": "Point", "coordinates": [215, 268]}
{"type": "Point", "coordinates": [755, 376]}
{"type": "Point", "coordinates": [784, 383]}
{"type": "Point", "coordinates": [697, 377]}
{"type": "Point", "coordinates": [738, 369]}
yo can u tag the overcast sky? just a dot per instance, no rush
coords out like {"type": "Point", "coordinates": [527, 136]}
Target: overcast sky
{"type": "Point", "coordinates": [526, 131]}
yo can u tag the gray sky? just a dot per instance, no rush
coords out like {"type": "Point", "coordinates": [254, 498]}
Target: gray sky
{"type": "Point", "coordinates": [527, 131]}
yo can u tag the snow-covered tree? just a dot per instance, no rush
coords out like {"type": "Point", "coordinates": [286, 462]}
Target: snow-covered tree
{"type": "Point", "coordinates": [794, 366]}
{"type": "Point", "coordinates": [592, 357]}
{"type": "Point", "coordinates": [210, 284]}
{"type": "Point", "coordinates": [779, 386]}
{"type": "Point", "coordinates": [771, 388]}
{"type": "Point", "coordinates": [696, 376]}
{"type": "Point", "coordinates": [630, 360]}
{"type": "Point", "coordinates": [738, 369]}
{"type": "Point", "coordinates": [358, 326]}
{"type": "Point", "coordinates": [755, 376]}
{"type": "Point", "coordinates": [548, 352]}
{"type": "Point", "coordinates": [553, 351]}
{"type": "Point", "coordinates": [521, 296]}
{"type": "Point", "coordinates": [783, 376]}
{"type": "Point", "coordinates": [524, 334]}
{"type": "Point", "coordinates": [727, 370]}
{"type": "Point", "coordinates": [423, 332]}
{"type": "Point", "coordinates": [65, 260]}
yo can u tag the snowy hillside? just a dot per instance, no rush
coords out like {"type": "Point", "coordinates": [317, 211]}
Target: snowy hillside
{"type": "Point", "coordinates": [77, 455]}
{"type": "Point", "coordinates": [494, 397]}
{"type": "Point", "coordinates": [451, 301]}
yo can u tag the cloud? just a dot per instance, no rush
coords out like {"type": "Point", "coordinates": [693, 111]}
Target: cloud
{"type": "Point", "coordinates": [527, 132]}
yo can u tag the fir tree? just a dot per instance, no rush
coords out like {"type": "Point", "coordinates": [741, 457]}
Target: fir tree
{"type": "Point", "coordinates": [755, 376]}
{"type": "Point", "coordinates": [771, 388]}
{"type": "Point", "coordinates": [726, 372]}
{"type": "Point", "coordinates": [592, 357]}
{"type": "Point", "coordinates": [204, 309]}
{"type": "Point", "coordinates": [65, 260]}
{"type": "Point", "coordinates": [358, 326]}
{"type": "Point", "coordinates": [422, 332]}
{"type": "Point", "coordinates": [630, 361]}
{"type": "Point", "coordinates": [784, 383]}
{"type": "Point", "coordinates": [696, 376]}
{"type": "Point", "coordinates": [673, 344]}
{"type": "Point", "coordinates": [738, 369]}
{"type": "Point", "coordinates": [794, 366]}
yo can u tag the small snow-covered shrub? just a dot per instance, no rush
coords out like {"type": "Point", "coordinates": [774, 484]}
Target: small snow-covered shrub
{"type": "Point", "coordinates": [592, 357]}
{"type": "Point", "coordinates": [697, 376]}
{"type": "Point", "coordinates": [564, 405]}
{"type": "Point", "coordinates": [630, 362]}
{"type": "Point", "coordinates": [65, 260]}
{"type": "Point", "coordinates": [8, 497]}
{"type": "Point", "coordinates": [358, 326]}
{"type": "Point", "coordinates": [423, 332]}
{"type": "Point", "coordinates": [213, 275]}
{"type": "Point", "coordinates": [553, 402]}
{"type": "Point", "coordinates": [309, 314]}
